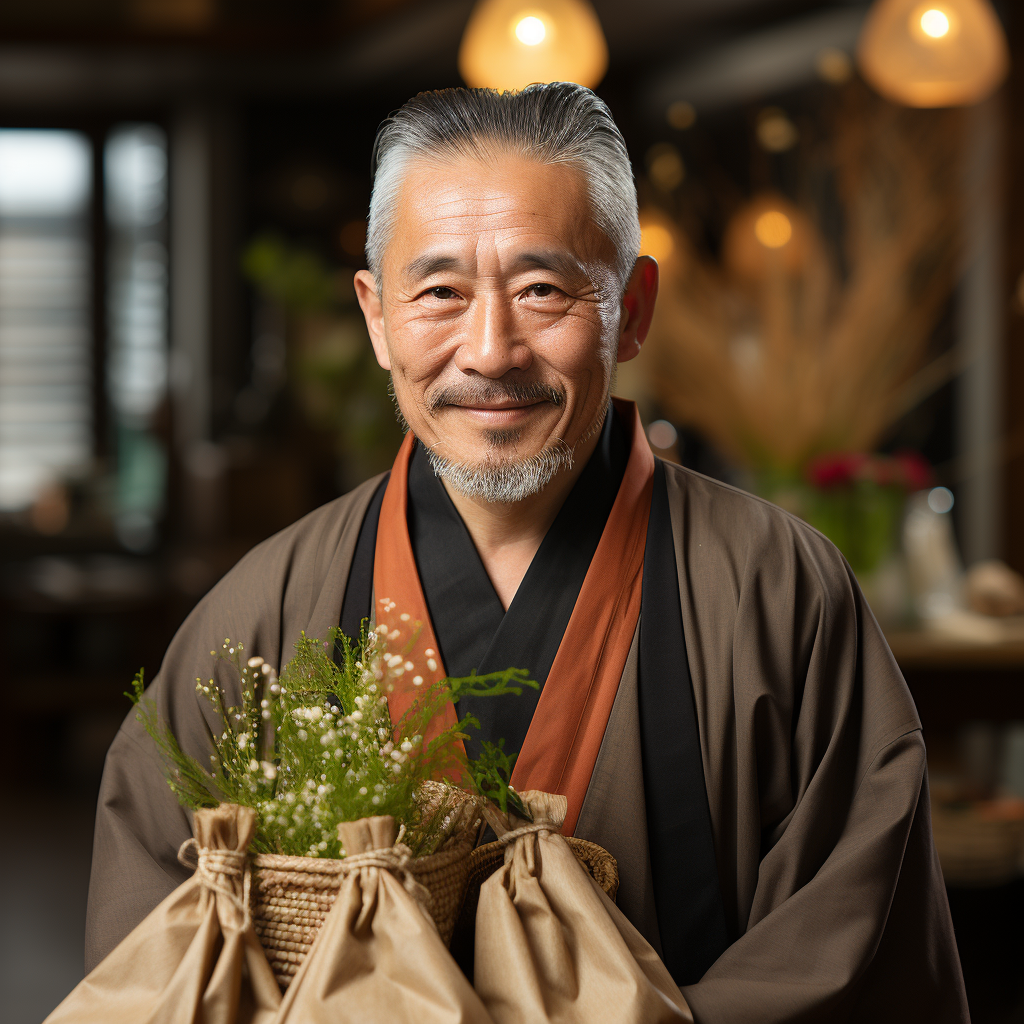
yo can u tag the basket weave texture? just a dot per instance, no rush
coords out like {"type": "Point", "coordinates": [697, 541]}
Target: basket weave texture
{"type": "Point", "coordinates": [292, 896]}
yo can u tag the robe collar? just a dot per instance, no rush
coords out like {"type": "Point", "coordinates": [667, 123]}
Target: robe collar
{"type": "Point", "coordinates": [565, 733]}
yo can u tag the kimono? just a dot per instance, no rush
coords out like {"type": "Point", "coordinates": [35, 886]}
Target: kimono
{"type": "Point", "coordinates": [716, 703]}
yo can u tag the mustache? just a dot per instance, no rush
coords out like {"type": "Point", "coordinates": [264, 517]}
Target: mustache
{"type": "Point", "coordinates": [472, 392]}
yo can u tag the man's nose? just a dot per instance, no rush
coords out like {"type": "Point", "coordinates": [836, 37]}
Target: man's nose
{"type": "Point", "coordinates": [494, 341]}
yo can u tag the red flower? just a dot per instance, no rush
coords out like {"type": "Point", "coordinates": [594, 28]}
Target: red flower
{"type": "Point", "coordinates": [836, 469]}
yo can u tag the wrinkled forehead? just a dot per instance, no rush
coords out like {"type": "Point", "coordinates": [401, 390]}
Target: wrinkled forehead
{"type": "Point", "coordinates": [487, 208]}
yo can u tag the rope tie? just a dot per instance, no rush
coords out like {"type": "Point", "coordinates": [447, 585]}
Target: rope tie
{"type": "Point", "coordinates": [526, 830]}
{"type": "Point", "coordinates": [212, 865]}
{"type": "Point", "coordinates": [395, 859]}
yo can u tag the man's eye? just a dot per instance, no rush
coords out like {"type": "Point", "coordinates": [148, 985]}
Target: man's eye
{"type": "Point", "coordinates": [541, 291]}
{"type": "Point", "coordinates": [440, 292]}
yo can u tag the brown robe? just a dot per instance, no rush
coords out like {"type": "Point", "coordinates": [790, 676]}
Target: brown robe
{"type": "Point", "coordinates": [812, 751]}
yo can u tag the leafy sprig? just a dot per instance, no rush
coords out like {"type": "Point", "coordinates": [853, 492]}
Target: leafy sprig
{"type": "Point", "coordinates": [316, 746]}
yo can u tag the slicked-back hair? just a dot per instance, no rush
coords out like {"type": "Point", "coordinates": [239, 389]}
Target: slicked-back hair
{"type": "Point", "coordinates": [556, 123]}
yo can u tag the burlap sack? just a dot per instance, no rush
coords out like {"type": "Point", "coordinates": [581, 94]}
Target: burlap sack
{"type": "Point", "coordinates": [551, 946]}
{"type": "Point", "coordinates": [195, 959]}
{"type": "Point", "coordinates": [378, 956]}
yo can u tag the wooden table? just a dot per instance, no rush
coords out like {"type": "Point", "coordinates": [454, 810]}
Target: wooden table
{"type": "Point", "coordinates": [955, 680]}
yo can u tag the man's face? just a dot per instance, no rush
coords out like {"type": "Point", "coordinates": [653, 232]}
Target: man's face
{"type": "Point", "coordinates": [500, 310]}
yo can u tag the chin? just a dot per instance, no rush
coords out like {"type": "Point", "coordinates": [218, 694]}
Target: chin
{"type": "Point", "coordinates": [503, 478]}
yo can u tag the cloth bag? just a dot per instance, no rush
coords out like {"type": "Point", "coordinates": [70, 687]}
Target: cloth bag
{"type": "Point", "coordinates": [378, 956]}
{"type": "Point", "coordinates": [195, 959]}
{"type": "Point", "coordinates": [551, 946]}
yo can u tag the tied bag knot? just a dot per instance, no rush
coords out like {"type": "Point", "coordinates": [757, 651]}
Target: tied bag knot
{"type": "Point", "coordinates": [397, 860]}
{"type": "Point", "coordinates": [548, 810]}
{"type": "Point", "coordinates": [213, 865]}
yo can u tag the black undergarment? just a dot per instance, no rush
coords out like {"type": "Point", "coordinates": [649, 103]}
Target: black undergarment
{"type": "Point", "coordinates": [473, 630]}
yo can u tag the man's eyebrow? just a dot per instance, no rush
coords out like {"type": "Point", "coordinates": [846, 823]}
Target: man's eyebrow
{"type": "Point", "coordinates": [431, 263]}
{"type": "Point", "coordinates": [548, 259]}
{"type": "Point", "coordinates": [541, 259]}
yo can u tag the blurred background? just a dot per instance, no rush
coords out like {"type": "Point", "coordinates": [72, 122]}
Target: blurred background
{"type": "Point", "coordinates": [832, 190]}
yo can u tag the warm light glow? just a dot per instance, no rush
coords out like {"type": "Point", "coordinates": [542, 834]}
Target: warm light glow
{"type": "Point", "coordinates": [656, 240]}
{"type": "Point", "coordinates": [509, 44]}
{"type": "Point", "coordinates": [943, 53]}
{"type": "Point", "coordinates": [665, 166]}
{"type": "Point", "coordinates": [934, 23]}
{"type": "Point", "coordinates": [773, 229]}
{"type": "Point", "coordinates": [681, 114]}
{"type": "Point", "coordinates": [530, 31]}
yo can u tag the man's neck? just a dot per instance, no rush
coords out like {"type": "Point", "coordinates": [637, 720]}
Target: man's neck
{"type": "Point", "coordinates": [507, 536]}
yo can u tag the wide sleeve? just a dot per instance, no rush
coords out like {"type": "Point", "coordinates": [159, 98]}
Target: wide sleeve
{"type": "Point", "coordinates": [868, 937]}
{"type": "Point", "coordinates": [816, 777]}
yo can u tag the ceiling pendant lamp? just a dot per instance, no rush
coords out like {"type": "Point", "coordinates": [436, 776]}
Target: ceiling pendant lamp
{"type": "Point", "coordinates": [509, 44]}
{"type": "Point", "coordinates": [933, 53]}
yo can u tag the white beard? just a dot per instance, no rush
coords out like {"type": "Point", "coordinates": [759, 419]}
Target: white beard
{"type": "Point", "coordinates": [507, 480]}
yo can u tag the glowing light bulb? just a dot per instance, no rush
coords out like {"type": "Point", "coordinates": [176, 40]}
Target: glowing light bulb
{"type": "Point", "coordinates": [773, 229]}
{"type": "Point", "coordinates": [530, 31]}
{"type": "Point", "coordinates": [509, 44]}
{"type": "Point", "coordinates": [934, 23]}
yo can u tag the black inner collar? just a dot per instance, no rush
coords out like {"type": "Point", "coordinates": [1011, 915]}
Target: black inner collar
{"type": "Point", "coordinates": [473, 631]}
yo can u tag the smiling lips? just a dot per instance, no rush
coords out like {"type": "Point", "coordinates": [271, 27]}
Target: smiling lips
{"type": "Point", "coordinates": [501, 414]}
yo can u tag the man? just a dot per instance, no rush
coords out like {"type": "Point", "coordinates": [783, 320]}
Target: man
{"type": "Point", "coordinates": [717, 702]}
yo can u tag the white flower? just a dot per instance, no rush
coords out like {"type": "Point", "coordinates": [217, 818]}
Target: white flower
{"type": "Point", "coordinates": [406, 746]}
{"type": "Point", "coordinates": [302, 735]}
{"type": "Point", "coordinates": [362, 791]}
{"type": "Point", "coordinates": [269, 770]}
{"type": "Point", "coordinates": [254, 765]}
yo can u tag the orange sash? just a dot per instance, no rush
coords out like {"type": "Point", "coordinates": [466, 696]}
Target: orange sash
{"type": "Point", "coordinates": [564, 738]}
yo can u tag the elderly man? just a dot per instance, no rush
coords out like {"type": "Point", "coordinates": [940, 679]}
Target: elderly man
{"type": "Point", "coordinates": [716, 702]}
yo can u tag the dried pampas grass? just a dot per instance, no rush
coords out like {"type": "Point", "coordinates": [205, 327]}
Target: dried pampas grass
{"type": "Point", "coordinates": [778, 359]}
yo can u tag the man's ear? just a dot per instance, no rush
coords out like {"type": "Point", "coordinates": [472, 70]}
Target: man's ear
{"type": "Point", "coordinates": [373, 310]}
{"type": "Point", "coordinates": [637, 307]}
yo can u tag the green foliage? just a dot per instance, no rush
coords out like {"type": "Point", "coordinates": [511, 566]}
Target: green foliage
{"type": "Point", "coordinates": [333, 371]}
{"type": "Point", "coordinates": [492, 776]}
{"type": "Point", "coordinates": [317, 746]}
{"type": "Point", "coordinates": [297, 278]}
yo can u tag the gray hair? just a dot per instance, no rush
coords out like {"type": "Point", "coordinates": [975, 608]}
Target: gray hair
{"type": "Point", "coordinates": [556, 123]}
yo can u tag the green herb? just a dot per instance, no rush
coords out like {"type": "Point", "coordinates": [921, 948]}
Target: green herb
{"type": "Point", "coordinates": [492, 775]}
{"type": "Point", "coordinates": [316, 746]}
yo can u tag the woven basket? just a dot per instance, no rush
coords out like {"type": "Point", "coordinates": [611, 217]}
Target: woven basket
{"type": "Point", "coordinates": [292, 896]}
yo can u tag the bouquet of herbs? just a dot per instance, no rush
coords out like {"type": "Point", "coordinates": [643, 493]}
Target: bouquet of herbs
{"type": "Point", "coordinates": [316, 746]}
